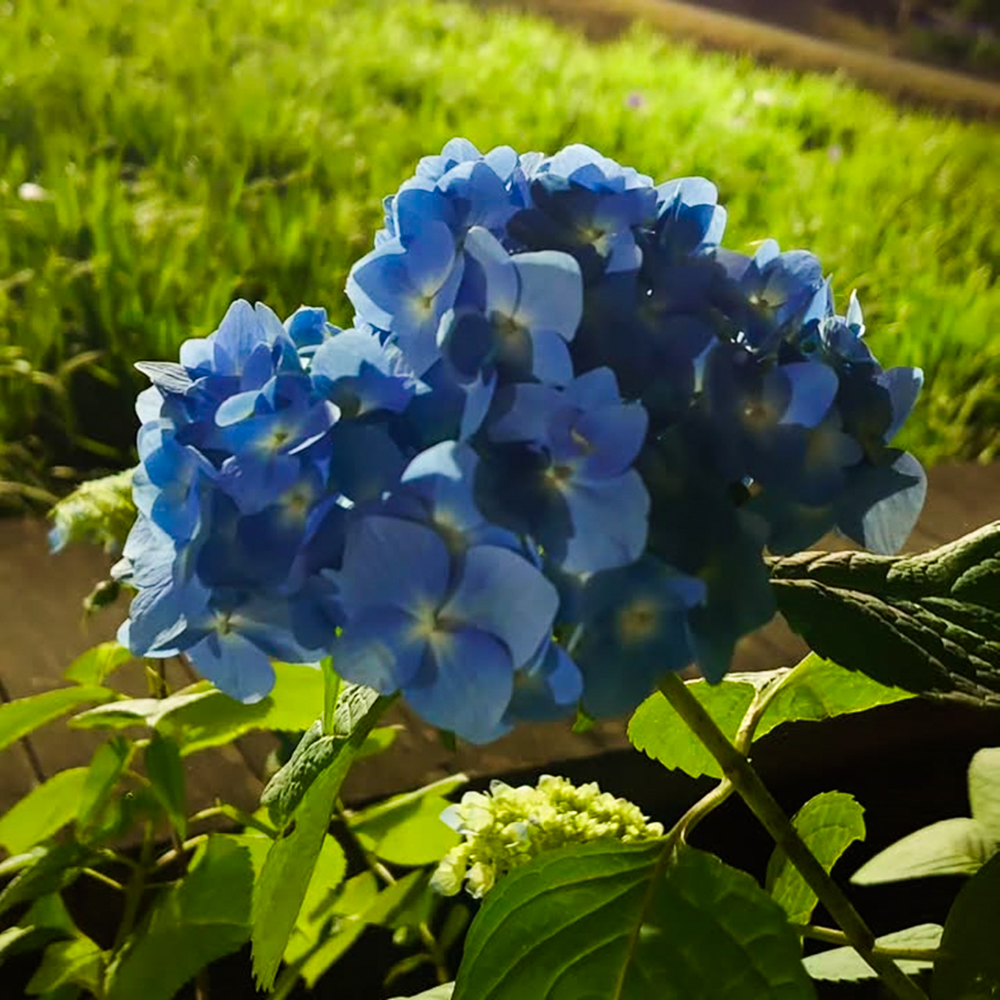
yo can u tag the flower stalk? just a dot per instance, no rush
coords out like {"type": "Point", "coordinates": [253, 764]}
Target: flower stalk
{"type": "Point", "coordinates": [745, 780]}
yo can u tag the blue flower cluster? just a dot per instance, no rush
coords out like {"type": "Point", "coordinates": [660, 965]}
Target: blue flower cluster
{"type": "Point", "coordinates": [542, 468]}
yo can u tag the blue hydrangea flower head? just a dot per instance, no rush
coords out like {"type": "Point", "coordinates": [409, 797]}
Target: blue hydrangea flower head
{"type": "Point", "coordinates": [450, 632]}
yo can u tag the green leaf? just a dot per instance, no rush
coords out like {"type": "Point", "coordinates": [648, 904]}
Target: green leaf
{"type": "Point", "coordinates": [828, 823]}
{"type": "Point", "coordinates": [327, 877]}
{"type": "Point", "coordinates": [847, 964]}
{"type": "Point", "coordinates": [407, 829]}
{"type": "Point", "coordinates": [43, 811]}
{"type": "Point", "coordinates": [658, 731]}
{"type": "Point", "coordinates": [79, 962]}
{"type": "Point", "coordinates": [969, 966]}
{"type": "Point", "coordinates": [106, 768]}
{"type": "Point", "coordinates": [354, 910]}
{"type": "Point", "coordinates": [819, 689]}
{"type": "Point", "coordinates": [165, 771]}
{"type": "Point", "coordinates": [18, 718]}
{"type": "Point", "coordinates": [611, 921]}
{"type": "Point", "coordinates": [200, 716]}
{"type": "Point", "coordinates": [331, 694]}
{"type": "Point", "coordinates": [984, 790]}
{"type": "Point", "coordinates": [46, 919]}
{"type": "Point", "coordinates": [92, 667]}
{"type": "Point", "coordinates": [443, 992]}
{"type": "Point", "coordinates": [957, 846]}
{"type": "Point", "coordinates": [346, 913]}
{"type": "Point", "coordinates": [202, 918]}
{"type": "Point", "coordinates": [301, 798]}
{"type": "Point", "coordinates": [928, 623]}
{"type": "Point", "coordinates": [814, 690]}
{"type": "Point", "coordinates": [43, 870]}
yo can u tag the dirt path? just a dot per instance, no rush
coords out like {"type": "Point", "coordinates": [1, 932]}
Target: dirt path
{"type": "Point", "coordinates": [906, 81]}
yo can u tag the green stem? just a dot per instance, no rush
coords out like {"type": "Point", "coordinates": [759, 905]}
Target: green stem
{"type": "Point", "coordinates": [237, 816]}
{"type": "Point", "coordinates": [101, 877]}
{"type": "Point", "coordinates": [744, 739]}
{"type": "Point", "coordinates": [135, 889]}
{"type": "Point", "coordinates": [830, 936]}
{"type": "Point", "coordinates": [430, 942]}
{"type": "Point", "coordinates": [752, 790]}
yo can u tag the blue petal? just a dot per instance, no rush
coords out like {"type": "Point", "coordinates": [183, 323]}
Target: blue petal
{"type": "Point", "coordinates": [551, 362]}
{"type": "Point", "coordinates": [467, 686]}
{"type": "Point", "coordinates": [546, 689]}
{"type": "Point", "coordinates": [379, 648]}
{"type": "Point", "coordinates": [903, 386]}
{"type": "Point", "coordinates": [614, 436]}
{"type": "Point", "coordinates": [610, 523]}
{"type": "Point", "coordinates": [501, 593]}
{"type": "Point", "coordinates": [550, 292]}
{"type": "Point", "coordinates": [813, 389]}
{"type": "Point", "coordinates": [234, 665]}
{"type": "Point", "coordinates": [395, 563]}
{"type": "Point", "coordinates": [881, 507]}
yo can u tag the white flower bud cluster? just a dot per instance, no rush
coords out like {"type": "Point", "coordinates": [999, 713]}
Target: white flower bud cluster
{"type": "Point", "coordinates": [507, 827]}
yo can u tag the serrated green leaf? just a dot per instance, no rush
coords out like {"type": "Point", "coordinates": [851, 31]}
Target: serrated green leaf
{"type": "Point", "coordinates": [327, 876]}
{"type": "Point", "coordinates": [609, 921]}
{"type": "Point", "coordinates": [141, 711]}
{"type": "Point", "coordinates": [106, 768]}
{"type": "Point", "coordinates": [443, 992]}
{"type": "Point", "coordinates": [43, 811]}
{"type": "Point", "coordinates": [847, 964]}
{"type": "Point", "coordinates": [657, 730]}
{"type": "Point", "coordinates": [828, 823]}
{"type": "Point", "coordinates": [43, 870]}
{"type": "Point", "coordinates": [984, 790]}
{"type": "Point", "coordinates": [24, 716]}
{"type": "Point", "coordinates": [814, 690]}
{"type": "Point", "coordinates": [202, 918]}
{"type": "Point", "coordinates": [407, 829]}
{"type": "Point", "coordinates": [78, 962]}
{"type": "Point", "coordinates": [331, 694]}
{"type": "Point", "coordinates": [91, 667]}
{"type": "Point", "coordinates": [301, 798]}
{"type": "Point", "coordinates": [165, 771]}
{"type": "Point", "coordinates": [820, 689]}
{"type": "Point", "coordinates": [928, 623]}
{"type": "Point", "coordinates": [378, 741]}
{"type": "Point", "coordinates": [969, 966]}
{"type": "Point", "coordinates": [957, 846]}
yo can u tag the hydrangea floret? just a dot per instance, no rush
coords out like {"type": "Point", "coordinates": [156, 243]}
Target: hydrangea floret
{"type": "Point", "coordinates": [543, 466]}
{"type": "Point", "coordinates": [507, 827]}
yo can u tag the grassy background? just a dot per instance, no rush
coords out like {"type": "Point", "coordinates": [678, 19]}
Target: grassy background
{"type": "Point", "coordinates": [192, 151]}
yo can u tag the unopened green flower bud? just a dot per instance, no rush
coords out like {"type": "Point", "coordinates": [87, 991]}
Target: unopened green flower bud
{"type": "Point", "coordinates": [509, 826]}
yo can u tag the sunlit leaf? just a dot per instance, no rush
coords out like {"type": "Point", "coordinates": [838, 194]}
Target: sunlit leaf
{"type": "Point", "coordinates": [24, 716]}
{"type": "Point", "coordinates": [91, 667]}
{"type": "Point", "coordinates": [43, 811]}
{"type": "Point", "coordinates": [847, 964]}
{"type": "Point", "coordinates": [828, 823]}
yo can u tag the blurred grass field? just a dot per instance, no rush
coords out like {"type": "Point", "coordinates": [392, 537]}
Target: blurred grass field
{"type": "Point", "coordinates": [161, 157]}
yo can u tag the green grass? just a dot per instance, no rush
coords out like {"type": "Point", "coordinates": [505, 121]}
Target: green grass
{"type": "Point", "coordinates": [193, 151]}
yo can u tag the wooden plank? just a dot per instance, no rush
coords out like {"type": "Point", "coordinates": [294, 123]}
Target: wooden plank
{"type": "Point", "coordinates": [46, 631]}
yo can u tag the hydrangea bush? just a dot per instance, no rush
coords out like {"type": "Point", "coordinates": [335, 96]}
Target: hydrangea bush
{"type": "Point", "coordinates": [570, 447]}
{"type": "Point", "coordinates": [541, 469]}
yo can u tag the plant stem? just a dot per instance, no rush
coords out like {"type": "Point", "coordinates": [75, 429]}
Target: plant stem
{"type": "Point", "coordinates": [101, 877]}
{"type": "Point", "coordinates": [135, 889]}
{"type": "Point", "coordinates": [830, 936]}
{"type": "Point", "coordinates": [752, 790]}
{"type": "Point", "coordinates": [430, 942]}
{"type": "Point", "coordinates": [237, 816]}
{"type": "Point", "coordinates": [744, 739]}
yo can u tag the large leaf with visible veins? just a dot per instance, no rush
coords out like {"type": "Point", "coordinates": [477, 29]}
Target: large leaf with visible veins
{"type": "Point", "coordinates": [927, 623]}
